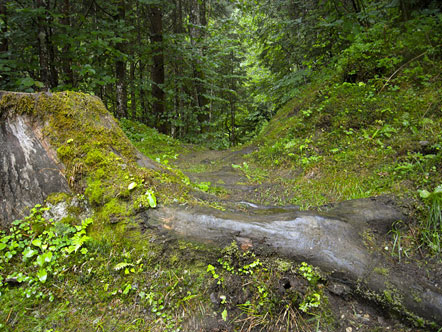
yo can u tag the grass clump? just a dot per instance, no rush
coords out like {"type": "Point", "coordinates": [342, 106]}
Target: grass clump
{"type": "Point", "coordinates": [432, 225]}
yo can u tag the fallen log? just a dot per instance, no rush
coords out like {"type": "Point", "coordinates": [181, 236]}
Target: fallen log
{"type": "Point", "coordinates": [333, 244]}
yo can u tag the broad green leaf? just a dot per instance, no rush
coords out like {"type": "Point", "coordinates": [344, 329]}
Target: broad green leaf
{"type": "Point", "coordinates": [28, 253]}
{"type": "Point", "coordinates": [27, 82]}
{"type": "Point", "coordinates": [2, 246]}
{"type": "Point", "coordinates": [44, 258]}
{"type": "Point", "coordinates": [37, 243]}
{"type": "Point", "coordinates": [42, 275]}
{"type": "Point", "coordinates": [39, 84]}
{"type": "Point", "coordinates": [224, 315]}
{"type": "Point", "coordinates": [40, 260]}
{"type": "Point", "coordinates": [48, 257]}
{"type": "Point", "coordinates": [151, 198]}
{"type": "Point", "coordinates": [132, 186]}
{"type": "Point", "coordinates": [127, 289]}
{"type": "Point", "coordinates": [424, 193]}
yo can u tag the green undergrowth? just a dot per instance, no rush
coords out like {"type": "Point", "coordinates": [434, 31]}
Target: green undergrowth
{"type": "Point", "coordinates": [100, 272]}
{"type": "Point", "coordinates": [261, 303]}
{"type": "Point", "coordinates": [369, 124]}
{"type": "Point", "coordinates": [164, 149]}
{"type": "Point", "coordinates": [151, 143]}
{"type": "Point", "coordinates": [55, 277]}
{"type": "Point", "coordinates": [61, 276]}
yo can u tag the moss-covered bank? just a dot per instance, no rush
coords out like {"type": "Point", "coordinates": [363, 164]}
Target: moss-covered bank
{"type": "Point", "coordinates": [130, 280]}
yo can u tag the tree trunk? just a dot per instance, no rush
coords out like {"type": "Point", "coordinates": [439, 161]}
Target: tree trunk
{"type": "Point", "coordinates": [232, 101]}
{"type": "Point", "coordinates": [198, 22]}
{"type": "Point", "coordinates": [178, 103]}
{"type": "Point", "coordinates": [52, 57]}
{"type": "Point", "coordinates": [404, 9]}
{"type": "Point", "coordinates": [66, 56]}
{"type": "Point", "coordinates": [4, 47]}
{"type": "Point", "coordinates": [143, 116]}
{"type": "Point", "coordinates": [4, 17]}
{"type": "Point", "coordinates": [120, 71]}
{"type": "Point", "coordinates": [158, 76]}
{"type": "Point", "coordinates": [42, 48]}
{"type": "Point", "coordinates": [133, 101]}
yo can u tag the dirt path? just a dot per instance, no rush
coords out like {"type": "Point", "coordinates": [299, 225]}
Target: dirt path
{"type": "Point", "coordinates": [244, 186]}
{"type": "Point", "coordinates": [229, 171]}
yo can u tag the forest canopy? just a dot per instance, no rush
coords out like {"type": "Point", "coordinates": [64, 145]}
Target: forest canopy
{"type": "Point", "coordinates": [203, 70]}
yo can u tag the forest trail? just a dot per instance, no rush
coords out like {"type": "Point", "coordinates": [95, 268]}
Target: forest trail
{"type": "Point", "coordinates": [253, 216]}
{"type": "Point", "coordinates": [215, 167]}
{"type": "Point", "coordinates": [234, 178]}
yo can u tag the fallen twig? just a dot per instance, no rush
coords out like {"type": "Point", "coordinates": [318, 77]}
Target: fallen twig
{"type": "Point", "coordinates": [397, 70]}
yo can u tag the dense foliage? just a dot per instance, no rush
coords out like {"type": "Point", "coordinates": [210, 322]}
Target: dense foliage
{"type": "Point", "coordinates": [205, 71]}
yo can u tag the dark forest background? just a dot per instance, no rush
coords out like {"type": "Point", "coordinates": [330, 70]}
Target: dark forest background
{"type": "Point", "coordinates": [204, 71]}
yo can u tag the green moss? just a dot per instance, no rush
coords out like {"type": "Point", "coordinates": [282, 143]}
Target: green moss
{"type": "Point", "coordinates": [114, 211]}
{"type": "Point", "coordinates": [382, 271]}
{"type": "Point", "coordinates": [283, 265]}
{"type": "Point", "coordinates": [391, 299]}
{"type": "Point", "coordinates": [96, 192]}
{"type": "Point", "coordinates": [95, 157]}
{"type": "Point", "coordinates": [64, 152]}
{"type": "Point", "coordinates": [18, 103]}
{"type": "Point", "coordinates": [56, 198]}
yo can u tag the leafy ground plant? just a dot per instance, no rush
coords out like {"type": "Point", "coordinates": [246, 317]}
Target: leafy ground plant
{"type": "Point", "coordinates": [35, 249]}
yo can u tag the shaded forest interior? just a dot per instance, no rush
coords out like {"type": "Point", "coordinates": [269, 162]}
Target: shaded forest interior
{"type": "Point", "coordinates": [204, 71]}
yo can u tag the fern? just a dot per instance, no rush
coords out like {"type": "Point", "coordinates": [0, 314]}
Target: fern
{"type": "Point", "coordinates": [80, 237]}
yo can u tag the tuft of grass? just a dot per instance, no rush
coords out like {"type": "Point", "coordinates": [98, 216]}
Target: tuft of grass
{"type": "Point", "coordinates": [432, 226]}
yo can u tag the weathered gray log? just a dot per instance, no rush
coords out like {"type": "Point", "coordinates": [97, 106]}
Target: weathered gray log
{"type": "Point", "coordinates": [333, 244]}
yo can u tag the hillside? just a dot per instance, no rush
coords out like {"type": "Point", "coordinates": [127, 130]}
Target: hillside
{"type": "Point", "coordinates": [326, 218]}
{"type": "Point", "coordinates": [114, 250]}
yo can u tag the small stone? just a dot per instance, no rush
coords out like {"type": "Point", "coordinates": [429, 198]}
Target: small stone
{"type": "Point", "coordinates": [214, 298]}
{"type": "Point", "coordinates": [12, 280]}
{"type": "Point", "coordinates": [339, 289]}
{"type": "Point", "coordinates": [348, 329]}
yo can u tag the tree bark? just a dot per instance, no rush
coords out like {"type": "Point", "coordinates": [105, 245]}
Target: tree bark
{"type": "Point", "coordinates": [176, 131]}
{"type": "Point", "coordinates": [142, 93]}
{"type": "Point", "coordinates": [4, 47]}
{"type": "Point", "coordinates": [133, 98]}
{"type": "Point", "coordinates": [66, 56]}
{"type": "Point", "coordinates": [157, 73]}
{"type": "Point", "coordinates": [120, 71]}
{"type": "Point", "coordinates": [42, 49]}
{"type": "Point", "coordinates": [198, 22]}
{"type": "Point", "coordinates": [232, 101]}
{"type": "Point", "coordinates": [52, 56]}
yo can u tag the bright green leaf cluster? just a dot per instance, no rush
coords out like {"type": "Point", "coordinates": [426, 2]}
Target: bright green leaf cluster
{"type": "Point", "coordinates": [35, 249]}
